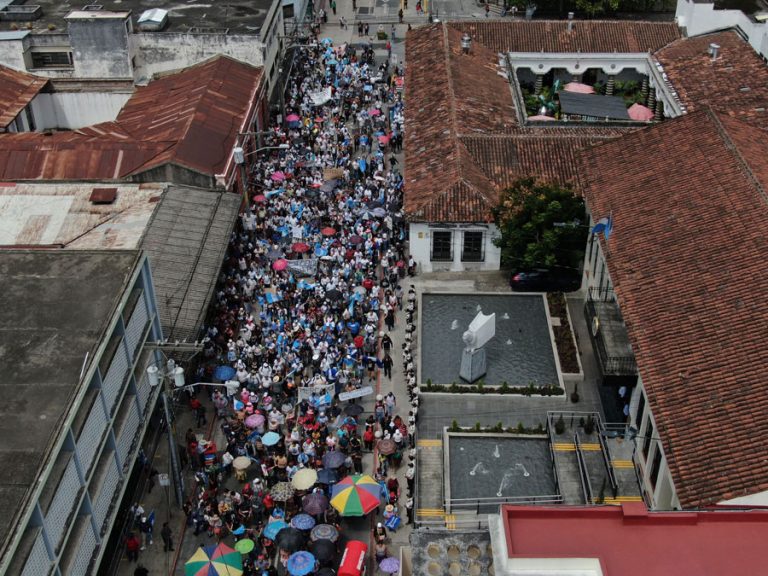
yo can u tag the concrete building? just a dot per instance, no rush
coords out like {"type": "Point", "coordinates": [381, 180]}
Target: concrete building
{"type": "Point", "coordinates": [75, 324]}
{"type": "Point", "coordinates": [627, 541]}
{"type": "Point", "coordinates": [705, 17]}
{"type": "Point", "coordinates": [99, 43]}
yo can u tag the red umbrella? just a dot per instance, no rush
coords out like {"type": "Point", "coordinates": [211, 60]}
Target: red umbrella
{"type": "Point", "coordinates": [355, 239]}
{"type": "Point", "coordinates": [300, 247]}
{"type": "Point", "coordinates": [292, 118]}
{"type": "Point", "coordinates": [579, 88]}
{"type": "Point", "coordinates": [640, 112]}
{"type": "Point", "coordinates": [359, 341]}
{"type": "Point", "coordinates": [260, 198]}
{"type": "Point", "coordinates": [280, 264]}
{"type": "Point", "coordinates": [328, 231]}
{"type": "Point", "coordinates": [384, 139]}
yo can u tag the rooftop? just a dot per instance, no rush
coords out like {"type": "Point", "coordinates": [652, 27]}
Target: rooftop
{"type": "Point", "coordinates": [594, 105]}
{"type": "Point", "coordinates": [736, 83]}
{"type": "Point", "coordinates": [17, 89]}
{"type": "Point", "coordinates": [189, 118]}
{"type": "Point", "coordinates": [463, 139]}
{"type": "Point", "coordinates": [184, 232]}
{"type": "Point", "coordinates": [521, 35]}
{"type": "Point", "coordinates": [687, 258]}
{"type": "Point", "coordinates": [605, 541]}
{"type": "Point", "coordinates": [236, 16]}
{"type": "Point", "coordinates": [56, 308]}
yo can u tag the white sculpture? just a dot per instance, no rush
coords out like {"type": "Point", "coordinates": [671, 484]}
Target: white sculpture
{"type": "Point", "coordinates": [477, 335]}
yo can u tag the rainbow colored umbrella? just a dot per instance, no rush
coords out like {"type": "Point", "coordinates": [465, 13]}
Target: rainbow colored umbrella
{"type": "Point", "coordinates": [356, 495]}
{"type": "Point", "coordinates": [219, 560]}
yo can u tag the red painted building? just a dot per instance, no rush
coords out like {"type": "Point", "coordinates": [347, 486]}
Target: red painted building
{"type": "Point", "coordinates": [628, 540]}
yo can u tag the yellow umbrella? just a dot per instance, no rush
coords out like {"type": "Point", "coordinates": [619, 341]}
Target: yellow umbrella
{"type": "Point", "coordinates": [304, 479]}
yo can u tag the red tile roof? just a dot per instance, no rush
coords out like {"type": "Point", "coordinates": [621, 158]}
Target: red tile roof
{"type": "Point", "coordinates": [735, 83]}
{"type": "Point", "coordinates": [553, 36]}
{"type": "Point", "coordinates": [190, 118]}
{"type": "Point", "coordinates": [463, 141]}
{"type": "Point", "coordinates": [688, 260]}
{"type": "Point", "coordinates": [17, 89]}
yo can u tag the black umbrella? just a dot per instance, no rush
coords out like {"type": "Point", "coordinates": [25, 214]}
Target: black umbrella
{"type": "Point", "coordinates": [325, 572]}
{"type": "Point", "coordinates": [334, 295]}
{"type": "Point", "coordinates": [290, 539]}
{"type": "Point", "coordinates": [326, 476]}
{"type": "Point", "coordinates": [353, 409]}
{"type": "Point", "coordinates": [323, 550]}
{"type": "Point", "coordinates": [315, 503]}
{"type": "Point", "coordinates": [334, 459]}
{"type": "Point", "coordinates": [374, 204]}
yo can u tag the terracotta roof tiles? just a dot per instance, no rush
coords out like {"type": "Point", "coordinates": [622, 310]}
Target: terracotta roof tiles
{"type": "Point", "coordinates": [735, 83]}
{"type": "Point", "coordinates": [553, 36]}
{"type": "Point", "coordinates": [687, 259]}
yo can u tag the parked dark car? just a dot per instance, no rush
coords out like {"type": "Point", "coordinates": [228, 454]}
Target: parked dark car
{"type": "Point", "coordinates": [545, 281]}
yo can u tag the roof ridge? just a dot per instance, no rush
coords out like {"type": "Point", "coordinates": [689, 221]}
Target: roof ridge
{"type": "Point", "coordinates": [451, 97]}
{"type": "Point", "coordinates": [734, 149]}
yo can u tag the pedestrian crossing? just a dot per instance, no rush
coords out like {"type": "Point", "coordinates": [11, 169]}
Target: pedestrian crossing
{"type": "Point", "coordinates": [430, 512]}
{"type": "Point", "coordinates": [623, 464]}
{"type": "Point", "coordinates": [571, 447]}
{"type": "Point", "coordinates": [429, 443]}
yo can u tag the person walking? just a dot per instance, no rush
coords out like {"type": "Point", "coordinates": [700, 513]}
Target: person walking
{"type": "Point", "coordinates": [367, 28]}
{"type": "Point", "coordinates": [333, 6]}
{"type": "Point", "coordinates": [167, 536]}
{"type": "Point", "coordinates": [387, 364]}
{"type": "Point", "coordinates": [132, 545]}
{"type": "Point", "coordinates": [145, 527]}
{"type": "Point", "coordinates": [409, 509]}
{"type": "Point", "coordinates": [410, 475]}
{"type": "Point", "coordinates": [389, 319]}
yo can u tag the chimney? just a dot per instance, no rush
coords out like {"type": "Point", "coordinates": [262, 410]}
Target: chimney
{"type": "Point", "coordinates": [713, 49]}
{"type": "Point", "coordinates": [570, 21]}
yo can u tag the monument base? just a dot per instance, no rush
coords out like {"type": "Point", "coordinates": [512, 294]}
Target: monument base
{"type": "Point", "coordinates": [473, 365]}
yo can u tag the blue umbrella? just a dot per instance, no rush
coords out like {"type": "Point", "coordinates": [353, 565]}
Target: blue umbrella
{"type": "Point", "coordinates": [270, 439]}
{"type": "Point", "coordinates": [224, 372]}
{"type": "Point", "coordinates": [300, 563]}
{"type": "Point", "coordinates": [303, 522]}
{"type": "Point", "coordinates": [273, 528]}
{"type": "Point", "coordinates": [327, 41]}
{"type": "Point", "coordinates": [326, 476]}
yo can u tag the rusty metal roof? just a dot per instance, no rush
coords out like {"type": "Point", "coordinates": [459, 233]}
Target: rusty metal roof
{"type": "Point", "coordinates": [17, 89]}
{"type": "Point", "coordinates": [190, 118]}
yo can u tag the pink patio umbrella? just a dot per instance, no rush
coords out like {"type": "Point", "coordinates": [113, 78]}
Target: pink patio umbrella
{"type": "Point", "coordinates": [280, 264]}
{"type": "Point", "coordinates": [640, 112]}
{"type": "Point", "coordinates": [540, 117]}
{"type": "Point", "coordinates": [374, 112]}
{"type": "Point", "coordinates": [278, 176]}
{"type": "Point", "coordinates": [579, 88]}
{"type": "Point", "coordinates": [292, 118]}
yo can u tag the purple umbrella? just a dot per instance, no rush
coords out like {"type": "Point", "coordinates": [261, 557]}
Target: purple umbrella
{"type": "Point", "coordinates": [334, 459]}
{"type": "Point", "coordinates": [315, 503]}
{"type": "Point", "coordinates": [303, 522]}
{"type": "Point", "coordinates": [389, 565]}
{"type": "Point", "coordinates": [254, 421]}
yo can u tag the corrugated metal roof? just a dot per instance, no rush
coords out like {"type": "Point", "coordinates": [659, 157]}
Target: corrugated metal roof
{"type": "Point", "coordinates": [190, 118]}
{"type": "Point", "coordinates": [17, 89]}
{"type": "Point", "coordinates": [186, 242]}
{"type": "Point", "coordinates": [595, 105]}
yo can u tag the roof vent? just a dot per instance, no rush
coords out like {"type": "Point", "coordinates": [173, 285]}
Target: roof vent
{"type": "Point", "coordinates": [713, 50]}
{"type": "Point", "coordinates": [570, 21]}
{"type": "Point", "coordinates": [103, 195]}
{"type": "Point", "coordinates": [92, 7]}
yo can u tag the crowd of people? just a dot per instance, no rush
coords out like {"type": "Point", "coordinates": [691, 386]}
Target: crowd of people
{"type": "Point", "coordinates": [315, 279]}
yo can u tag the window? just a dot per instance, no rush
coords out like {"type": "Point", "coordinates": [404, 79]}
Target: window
{"type": "Point", "coordinates": [655, 467]}
{"type": "Point", "coordinates": [51, 59]}
{"type": "Point", "coordinates": [441, 246]}
{"type": "Point", "coordinates": [647, 439]}
{"type": "Point", "coordinates": [288, 11]}
{"type": "Point", "coordinates": [473, 247]}
{"type": "Point", "coordinates": [640, 408]}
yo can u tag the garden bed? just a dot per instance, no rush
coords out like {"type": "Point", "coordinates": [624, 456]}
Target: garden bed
{"type": "Point", "coordinates": [567, 352]}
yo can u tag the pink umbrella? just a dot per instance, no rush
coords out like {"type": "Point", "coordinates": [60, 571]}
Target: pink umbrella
{"type": "Point", "coordinates": [292, 118]}
{"type": "Point", "coordinates": [579, 88]}
{"type": "Point", "coordinates": [300, 247]}
{"type": "Point", "coordinates": [254, 421]}
{"type": "Point", "coordinates": [384, 139]}
{"type": "Point", "coordinates": [540, 117]}
{"type": "Point", "coordinates": [260, 198]}
{"type": "Point", "coordinates": [278, 176]}
{"type": "Point", "coordinates": [280, 264]}
{"type": "Point", "coordinates": [640, 112]}
{"type": "Point", "coordinates": [374, 112]}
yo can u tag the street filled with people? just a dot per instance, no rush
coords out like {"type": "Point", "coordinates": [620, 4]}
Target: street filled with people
{"type": "Point", "coordinates": [315, 280]}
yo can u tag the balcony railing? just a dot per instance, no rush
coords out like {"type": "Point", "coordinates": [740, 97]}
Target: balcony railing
{"type": "Point", "coordinates": [610, 327]}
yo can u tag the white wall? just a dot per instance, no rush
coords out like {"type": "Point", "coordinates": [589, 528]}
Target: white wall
{"type": "Point", "coordinates": [699, 18]}
{"type": "Point", "coordinates": [420, 243]}
{"type": "Point", "coordinates": [161, 52]}
{"type": "Point", "coordinates": [73, 110]}
{"type": "Point", "coordinates": [757, 499]}
{"type": "Point", "coordinates": [12, 54]}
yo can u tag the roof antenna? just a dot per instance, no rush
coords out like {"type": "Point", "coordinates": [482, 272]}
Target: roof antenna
{"type": "Point", "coordinates": [713, 49]}
{"type": "Point", "coordinates": [570, 21]}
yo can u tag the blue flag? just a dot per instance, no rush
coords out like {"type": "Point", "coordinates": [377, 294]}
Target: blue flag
{"type": "Point", "coordinates": [604, 226]}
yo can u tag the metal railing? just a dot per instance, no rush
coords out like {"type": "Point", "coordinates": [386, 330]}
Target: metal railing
{"type": "Point", "coordinates": [616, 365]}
{"type": "Point", "coordinates": [475, 503]}
{"type": "Point", "coordinates": [607, 457]}
{"type": "Point", "coordinates": [586, 485]}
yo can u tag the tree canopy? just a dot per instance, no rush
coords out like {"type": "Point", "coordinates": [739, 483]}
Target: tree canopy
{"type": "Point", "coordinates": [542, 225]}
